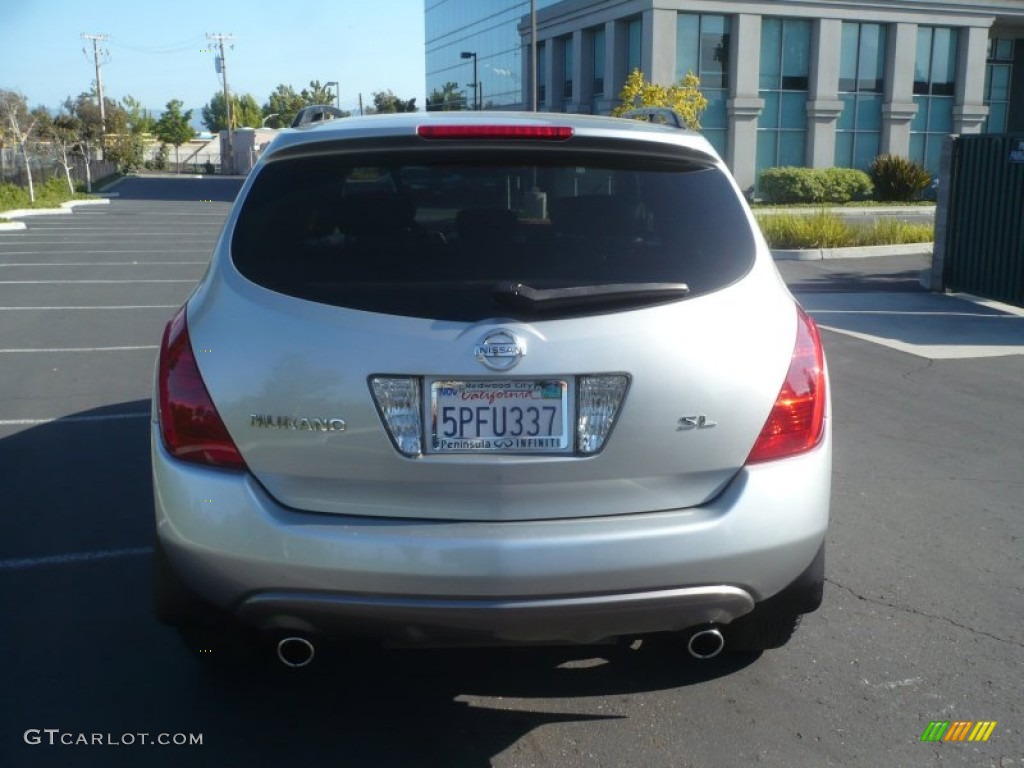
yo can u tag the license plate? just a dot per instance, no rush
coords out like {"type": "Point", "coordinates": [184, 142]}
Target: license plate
{"type": "Point", "coordinates": [509, 416]}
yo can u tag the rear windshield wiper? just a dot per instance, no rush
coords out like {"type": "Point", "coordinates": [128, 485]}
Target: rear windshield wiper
{"type": "Point", "coordinates": [524, 296]}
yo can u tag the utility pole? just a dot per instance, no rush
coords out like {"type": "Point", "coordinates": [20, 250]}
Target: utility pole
{"type": "Point", "coordinates": [96, 40]}
{"type": "Point", "coordinates": [228, 166]}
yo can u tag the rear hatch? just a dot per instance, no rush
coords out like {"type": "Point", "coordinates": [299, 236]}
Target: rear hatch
{"type": "Point", "coordinates": [493, 328]}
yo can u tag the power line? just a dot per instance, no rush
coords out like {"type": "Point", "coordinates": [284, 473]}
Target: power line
{"type": "Point", "coordinates": [176, 47]}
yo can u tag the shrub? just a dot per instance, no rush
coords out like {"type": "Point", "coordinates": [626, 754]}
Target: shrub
{"type": "Point", "coordinates": [845, 184]}
{"type": "Point", "coordinates": [159, 161]}
{"type": "Point", "coordinates": [787, 185]}
{"type": "Point", "coordinates": [13, 197]}
{"type": "Point", "coordinates": [898, 179]}
{"type": "Point", "coordinates": [790, 185]}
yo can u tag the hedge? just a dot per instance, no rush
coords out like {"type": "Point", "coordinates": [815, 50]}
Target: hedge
{"type": "Point", "coordinates": [787, 184]}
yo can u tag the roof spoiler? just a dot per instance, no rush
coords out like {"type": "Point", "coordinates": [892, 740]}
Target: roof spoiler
{"type": "Point", "coordinates": [315, 114]}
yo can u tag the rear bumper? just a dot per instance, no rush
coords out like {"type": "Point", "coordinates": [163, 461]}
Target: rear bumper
{"type": "Point", "coordinates": [422, 621]}
{"type": "Point", "coordinates": [534, 581]}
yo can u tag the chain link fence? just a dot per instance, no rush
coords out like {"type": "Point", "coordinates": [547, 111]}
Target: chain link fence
{"type": "Point", "coordinates": [12, 168]}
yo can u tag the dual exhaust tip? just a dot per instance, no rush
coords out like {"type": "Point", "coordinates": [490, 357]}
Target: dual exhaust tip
{"type": "Point", "coordinates": [296, 651]}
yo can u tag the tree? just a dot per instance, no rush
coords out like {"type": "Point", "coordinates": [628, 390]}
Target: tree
{"type": "Point", "coordinates": [317, 94]}
{"type": "Point", "coordinates": [446, 99]}
{"type": "Point", "coordinates": [18, 125]}
{"type": "Point", "coordinates": [284, 103]}
{"type": "Point", "coordinates": [62, 134]}
{"type": "Point", "coordinates": [387, 102]}
{"type": "Point", "coordinates": [684, 98]}
{"type": "Point", "coordinates": [90, 129]}
{"type": "Point", "coordinates": [139, 119]}
{"type": "Point", "coordinates": [173, 127]}
{"type": "Point", "coordinates": [245, 112]}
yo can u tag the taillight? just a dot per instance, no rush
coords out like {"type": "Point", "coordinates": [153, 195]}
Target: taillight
{"type": "Point", "coordinates": [797, 420]}
{"type": "Point", "coordinates": [191, 427]}
{"type": "Point", "coordinates": [470, 131]}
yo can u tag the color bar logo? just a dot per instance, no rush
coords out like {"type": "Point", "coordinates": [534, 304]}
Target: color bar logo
{"type": "Point", "coordinates": [958, 730]}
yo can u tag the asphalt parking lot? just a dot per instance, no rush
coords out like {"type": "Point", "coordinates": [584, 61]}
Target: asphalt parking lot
{"type": "Point", "coordinates": [924, 608]}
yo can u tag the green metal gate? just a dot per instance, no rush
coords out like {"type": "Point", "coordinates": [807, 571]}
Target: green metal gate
{"type": "Point", "coordinates": [984, 247]}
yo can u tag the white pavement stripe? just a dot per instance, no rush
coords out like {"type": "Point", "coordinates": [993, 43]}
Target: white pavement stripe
{"type": "Point", "coordinates": [80, 349]}
{"type": "Point", "coordinates": [72, 419]}
{"type": "Point", "coordinates": [898, 313]}
{"type": "Point", "coordinates": [87, 282]}
{"type": "Point", "coordinates": [21, 563]}
{"type": "Point", "coordinates": [99, 263]}
{"type": "Point", "coordinates": [162, 250]}
{"type": "Point", "coordinates": [122, 306]}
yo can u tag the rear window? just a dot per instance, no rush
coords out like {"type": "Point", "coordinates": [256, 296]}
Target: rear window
{"type": "Point", "coordinates": [431, 234]}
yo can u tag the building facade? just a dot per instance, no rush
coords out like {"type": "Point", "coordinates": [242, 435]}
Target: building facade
{"type": "Point", "coordinates": [816, 83]}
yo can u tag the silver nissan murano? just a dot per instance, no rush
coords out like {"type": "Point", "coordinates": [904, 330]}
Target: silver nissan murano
{"type": "Point", "coordinates": [489, 378]}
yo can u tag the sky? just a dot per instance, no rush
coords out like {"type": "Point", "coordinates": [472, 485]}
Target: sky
{"type": "Point", "coordinates": [159, 51]}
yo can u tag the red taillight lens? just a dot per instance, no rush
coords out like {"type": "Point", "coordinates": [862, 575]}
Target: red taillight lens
{"type": "Point", "coordinates": [549, 132]}
{"type": "Point", "coordinates": [797, 420]}
{"type": "Point", "coordinates": [191, 427]}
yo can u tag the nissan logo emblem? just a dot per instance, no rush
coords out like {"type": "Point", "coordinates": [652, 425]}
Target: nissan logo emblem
{"type": "Point", "coordinates": [500, 350]}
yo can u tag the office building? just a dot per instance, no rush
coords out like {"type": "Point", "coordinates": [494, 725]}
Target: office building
{"type": "Point", "coordinates": [789, 82]}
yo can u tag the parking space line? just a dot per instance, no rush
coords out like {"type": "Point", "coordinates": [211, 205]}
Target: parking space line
{"type": "Point", "coordinates": [87, 282]}
{"type": "Point", "coordinates": [133, 250]}
{"type": "Point", "coordinates": [120, 306]}
{"type": "Point", "coordinates": [21, 563]}
{"type": "Point", "coordinates": [99, 263]}
{"type": "Point", "coordinates": [73, 419]}
{"type": "Point", "coordinates": [79, 349]}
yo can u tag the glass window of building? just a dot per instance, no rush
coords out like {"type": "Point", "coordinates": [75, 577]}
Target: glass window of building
{"type": "Point", "coordinates": [998, 71]}
{"type": "Point", "coordinates": [861, 88]}
{"type": "Point", "coordinates": [567, 68]}
{"type": "Point", "coordinates": [702, 47]}
{"type": "Point", "coordinates": [542, 74]}
{"type": "Point", "coordinates": [934, 89]}
{"type": "Point", "coordinates": [489, 28]}
{"type": "Point", "coordinates": [597, 41]}
{"type": "Point", "coordinates": [634, 27]}
{"type": "Point", "coordinates": [785, 68]}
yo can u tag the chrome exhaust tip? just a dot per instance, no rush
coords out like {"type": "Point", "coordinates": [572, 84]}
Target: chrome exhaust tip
{"type": "Point", "coordinates": [295, 652]}
{"type": "Point", "coordinates": [705, 644]}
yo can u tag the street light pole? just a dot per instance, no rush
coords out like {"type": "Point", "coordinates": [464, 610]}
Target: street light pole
{"type": "Point", "coordinates": [337, 91]}
{"type": "Point", "coordinates": [476, 82]}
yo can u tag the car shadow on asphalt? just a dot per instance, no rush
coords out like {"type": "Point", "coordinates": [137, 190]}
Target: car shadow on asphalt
{"type": "Point", "coordinates": [84, 653]}
{"type": "Point", "coordinates": [906, 281]}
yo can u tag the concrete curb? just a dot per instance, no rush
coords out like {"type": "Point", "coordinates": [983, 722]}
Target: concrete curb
{"type": "Point", "coordinates": [857, 210]}
{"type": "Point", "coordinates": [863, 252]}
{"type": "Point", "coordinates": [64, 208]}
{"type": "Point", "coordinates": [9, 226]}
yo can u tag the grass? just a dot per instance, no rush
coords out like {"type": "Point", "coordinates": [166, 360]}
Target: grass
{"type": "Point", "coordinates": [827, 230]}
{"type": "Point", "coordinates": [49, 194]}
